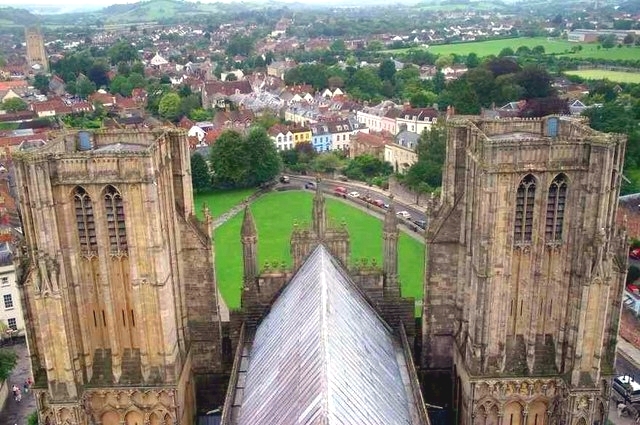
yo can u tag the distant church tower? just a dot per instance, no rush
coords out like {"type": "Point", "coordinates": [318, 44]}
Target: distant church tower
{"type": "Point", "coordinates": [36, 53]}
{"type": "Point", "coordinates": [123, 316]}
{"type": "Point", "coordinates": [525, 270]}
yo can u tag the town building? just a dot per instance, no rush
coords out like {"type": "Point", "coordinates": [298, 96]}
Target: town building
{"type": "Point", "coordinates": [36, 53]}
{"type": "Point", "coordinates": [402, 153]}
{"type": "Point", "coordinates": [525, 270]}
{"type": "Point", "coordinates": [10, 307]}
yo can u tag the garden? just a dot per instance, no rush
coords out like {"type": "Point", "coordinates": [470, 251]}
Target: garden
{"type": "Point", "coordinates": [275, 214]}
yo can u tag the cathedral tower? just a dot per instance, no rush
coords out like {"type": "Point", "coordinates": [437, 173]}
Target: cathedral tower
{"type": "Point", "coordinates": [118, 283]}
{"type": "Point", "coordinates": [525, 270]}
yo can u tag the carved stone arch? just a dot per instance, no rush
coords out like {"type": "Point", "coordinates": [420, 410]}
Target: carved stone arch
{"type": "Point", "coordinates": [168, 419]}
{"type": "Point", "coordinates": [580, 421]}
{"type": "Point", "coordinates": [600, 416]}
{"type": "Point", "coordinates": [513, 412]}
{"type": "Point", "coordinates": [537, 412]}
{"type": "Point", "coordinates": [556, 207]}
{"type": "Point", "coordinates": [493, 414]}
{"type": "Point", "coordinates": [133, 417]}
{"type": "Point", "coordinates": [116, 219]}
{"type": "Point", "coordinates": [110, 417]}
{"type": "Point", "coordinates": [155, 418]}
{"type": "Point", "coordinates": [480, 415]}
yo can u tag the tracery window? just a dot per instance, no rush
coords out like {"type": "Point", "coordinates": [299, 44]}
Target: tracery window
{"type": "Point", "coordinates": [525, 198]}
{"type": "Point", "coordinates": [85, 222]}
{"type": "Point", "coordinates": [555, 208]}
{"type": "Point", "coordinates": [116, 226]}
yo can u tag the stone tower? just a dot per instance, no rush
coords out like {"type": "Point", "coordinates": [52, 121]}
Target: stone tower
{"type": "Point", "coordinates": [36, 53]}
{"type": "Point", "coordinates": [525, 270]}
{"type": "Point", "coordinates": [123, 315]}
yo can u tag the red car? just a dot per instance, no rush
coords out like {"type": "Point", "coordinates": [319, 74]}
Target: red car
{"type": "Point", "coordinates": [635, 253]}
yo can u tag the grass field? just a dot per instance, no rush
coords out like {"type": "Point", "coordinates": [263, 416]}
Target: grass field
{"type": "Point", "coordinates": [275, 214]}
{"type": "Point", "coordinates": [601, 74]}
{"type": "Point", "coordinates": [551, 46]}
{"type": "Point", "coordinates": [221, 201]}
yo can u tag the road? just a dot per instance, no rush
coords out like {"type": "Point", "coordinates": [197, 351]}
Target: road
{"type": "Point", "coordinates": [363, 189]}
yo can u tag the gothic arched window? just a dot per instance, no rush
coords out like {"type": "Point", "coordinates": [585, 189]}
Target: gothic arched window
{"type": "Point", "coordinates": [85, 222]}
{"type": "Point", "coordinates": [116, 227]}
{"type": "Point", "coordinates": [555, 208]}
{"type": "Point", "coordinates": [525, 197]}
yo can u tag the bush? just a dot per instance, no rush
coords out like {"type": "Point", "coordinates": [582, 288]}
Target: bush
{"type": "Point", "coordinates": [32, 419]}
{"type": "Point", "coordinates": [8, 360]}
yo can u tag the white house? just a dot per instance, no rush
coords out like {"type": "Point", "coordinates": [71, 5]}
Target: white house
{"type": "Point", "coordinates": [417, 120]}
{"type": "Point", "coordinates": [196, 131]}
{"type": "Point", "coordinates": [10, 305]}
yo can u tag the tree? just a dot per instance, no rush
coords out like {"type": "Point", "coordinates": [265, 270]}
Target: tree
{"type": "Point", "coordinates": [200, 177]}
{"type": "Point", "coordinates": [535, 80]}
{"type": "Point", "coordinates": [338, 46]}
{"type": "Point", "coordinates": [83, 87]}
{"type": "Point", "coordinates": [507, 51]}
{"type": "Point", "coordinates": [14, 104]}
{"type": "Point", "coordinates": [231, 77]}
{"type": "Point", "coordinates": [423, 99]}
{"type": "Point", "coordinates": [427, 172]}
{"type": "Point", "coordinates": [444, 61]}
{"type": "Point", "coordinates": [169, 106]}
{"type": "Point", "coordinates": [472, 60]}
{"type": "Point", "coordinates": [327, 163]}
{"type": "Point", "coordinates": [607, 41]}
{"type": "Point", "coordinates": [122, 52]}
{"type": "Point", "coordinates": [8, 360]}
{"type": "Point", "coordinates": [120, 84]}
{"type": "Point", "coordinates": [240, 45]}
{"type": "Point", "coordinates": [387, 70]}
{"type": "Point", "coordinates": [41, 83]}
{"type": "Point", "coordinates": [264, 163]}
{"type": "Point", "coordinates": [249, 161]}
{"type": "Point", "coordinates": [538, 50]}
{"type": "Point", "coordinates": [199, 114]}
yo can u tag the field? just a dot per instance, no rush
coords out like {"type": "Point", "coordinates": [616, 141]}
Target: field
{"type": "Point", "coordinates": [551, 46]}
{"type": "Point", "coordinates": [275, 214]}
{"type": "Point", "coordinates": [221, 202]}
{"type": "Point", "coordinates": [601, 74]}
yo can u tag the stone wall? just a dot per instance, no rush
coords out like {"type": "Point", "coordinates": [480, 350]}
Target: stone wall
{"type": "Point", "coordinates": [4, 394]}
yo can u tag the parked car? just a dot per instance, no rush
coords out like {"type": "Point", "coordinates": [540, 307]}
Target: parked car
{"type": "Point", "coordinates": [343, 178]}
{"type": "Point", "coordinates": [626, 390]}
{"type": "Point", "coordinates": [309, 185]}
{"type": "Point", "coordinates": [354, 194]}
{"type": "Point", "coordinates": [340, 191]}
{"type": "Point", "coordinates": [404, 214]}
{"type": "Point", "coordinates": [421, 224]}
{"type": "Point", "coordinates": [378, 203]}
{"type": "Point", "coordinates": [635, 253]}
{"type": "Point", "coordinates": [284, 179]}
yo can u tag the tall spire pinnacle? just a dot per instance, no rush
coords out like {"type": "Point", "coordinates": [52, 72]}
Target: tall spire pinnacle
{"type": "Point", "coordinates": [248, 224]}
{"type": "Point", "coordinates": [319, 211]}
{"type": "Point", "coordinates": [390, 235]}
{"type": "Point", "coordinates": [249, 238]}
{"type": "Point", "coordinates": [390, 218]}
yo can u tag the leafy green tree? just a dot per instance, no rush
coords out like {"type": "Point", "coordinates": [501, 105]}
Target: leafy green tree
{"type": "Point", "coordinates": [98, 74]}
{"type": "Point", "coordinates": [365, 84]}
{"type": "Point", "coordinates": [523, 51]}
{"type": "Point", "coordinates": [231, 77]}
{"type": "Point", "coordinates": [472, 61]}
{"type": "Point", "coordinates": [338, 46]}
{"type": "Point", "coordinates": [426, 174]}
{"type": "Point", "coordinates": [507, 51]}
{"type": "Point", "coordinates": [122, 52]}
{"type": "Point", "coordinates": [327, 163]}
{"type": "Point", "coordinates": [462, 96]}
{"type": "Point", "coordinates": [444, 61]}
{"type": "Point", "coordinates": [365, 167]}
{"type": "Point", "coordinates": [199, 114]}
{"type": "Point", "coordinates": [14, 104]}
{"type": "Point", "coordinates": [387, 70]}
{"type": "Point", "coordinates": [41, 83]}
{"type": "Point", "coordinates": [538, 50]}
{"type": "Point", "coordinates": [249, 161]}
{"type": "Point", "coordinates": [137, 68]}
{"type": "Point", "coordinates": [189, 103]}
{"type": "Point", "coordinates": [200, 176]}
{"type": "Point", "coordinates": [240, 45]}
{"type": "Point", "coordinates": [83, 87]}
{"type": "Point", "coordinates": [535, 80]}
{"type": "Point", "coordinates": [8, 360]}
{"type": "Point", "coordinates": [120, 84]}
{"type": "Point", "coordinates": [423, 99]}
{"type": "Point", "coordinates": [169, 106]}
{"type": "Point", "coordinates": [264, 162]}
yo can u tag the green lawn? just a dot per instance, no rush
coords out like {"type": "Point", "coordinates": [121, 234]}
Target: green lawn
{"type": "Point", "coordinates": [601, 74]}
{"type": "Point", "coordinates": [551, 46]}
{"type": "Point", "coordinates": [275, 214]}
{"type": "Point", "coordinates": [221, 201]}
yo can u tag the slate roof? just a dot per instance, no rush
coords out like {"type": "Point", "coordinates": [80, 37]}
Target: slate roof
{"type": "Point", "coordinates": [322, 355]}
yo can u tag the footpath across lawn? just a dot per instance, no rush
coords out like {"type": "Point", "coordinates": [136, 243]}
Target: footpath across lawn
{"type": "Point", "coordinates": [221, 201]}
{"type": "Point", "coordinates": [275, 214]}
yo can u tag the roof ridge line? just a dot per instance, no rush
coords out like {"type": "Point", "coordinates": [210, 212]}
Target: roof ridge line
{"type": "Point", "coordinates": [324, 297]}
